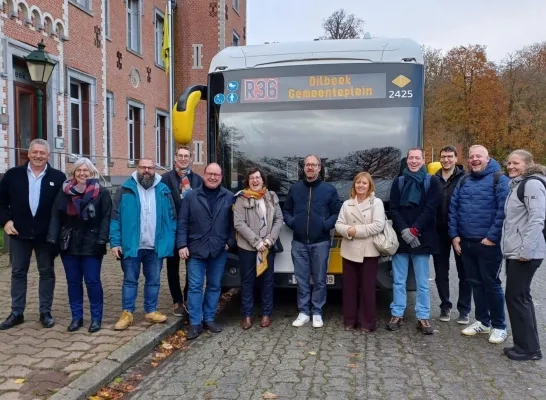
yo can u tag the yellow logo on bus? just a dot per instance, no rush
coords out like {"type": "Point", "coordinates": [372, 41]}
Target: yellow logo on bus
{"type": "Point", "coordinates": [401, 81]}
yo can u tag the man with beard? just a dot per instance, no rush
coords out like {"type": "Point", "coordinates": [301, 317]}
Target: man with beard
{"type": "Point", "coordinates": [449, 176]}
{"type": "Point", "coordinates": [476, 216]}
{"type": "Point", "coordinates": [205, 234]}
{"type": "Point", "coordinates": [180, 180]}
{"type": "Point", "coordinates": [27, 194]}
{"type": "Point", "coordinates": [142, 231]}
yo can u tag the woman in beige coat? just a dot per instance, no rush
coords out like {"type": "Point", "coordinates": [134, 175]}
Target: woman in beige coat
{"type": "Point", "coordinates": [361, 217]}
{"type": "Point", "coordinates": [258, 220]}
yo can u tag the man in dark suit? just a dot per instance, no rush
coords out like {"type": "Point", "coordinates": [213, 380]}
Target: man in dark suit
{"type": "Point", "coordinates": [27, 194]}
{"type": "Point", "coordinates": [181, 180]}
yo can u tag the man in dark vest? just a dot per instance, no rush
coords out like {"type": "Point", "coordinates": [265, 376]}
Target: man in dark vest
{"type": "Point", "coordinates": [27, 194]}
{"type": "Point", "coordinates": [181, 180]}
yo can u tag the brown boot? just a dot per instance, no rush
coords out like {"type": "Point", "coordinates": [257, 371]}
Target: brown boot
{"type": "Point", "coordinates": [246, 323]}
{"type": "Point", "coordinates": [155, 317]}
{"type": "Point", "coordinates": [265, 322]}
{"type": "Point", "coordinates": [125, 321]}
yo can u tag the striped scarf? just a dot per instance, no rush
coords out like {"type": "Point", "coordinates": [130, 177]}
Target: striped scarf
{"type": "Point", "coordinates": [80, 196]}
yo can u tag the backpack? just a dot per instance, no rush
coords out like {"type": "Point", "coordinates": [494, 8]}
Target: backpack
{"type": "Point", "coordinates": [496, 178]}
{"type": "Point", "coordinates": [401, 183]}
{"type": "Point", "coordinates": [521, 195]}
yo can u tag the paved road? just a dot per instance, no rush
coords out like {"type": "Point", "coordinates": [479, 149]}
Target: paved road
{"type": "Point", "coordinates": [330, 363]}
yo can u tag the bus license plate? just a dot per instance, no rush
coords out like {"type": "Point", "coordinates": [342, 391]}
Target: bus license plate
{"type": "Point", "coordinates": [330, 280]}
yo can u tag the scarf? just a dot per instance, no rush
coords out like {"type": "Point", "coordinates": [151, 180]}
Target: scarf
{"type": "Point", "coordinates": [185, 186]}
{"type": "Point", "coordinates": [80, 196]}
{"type": "Point", "coordinates": [411, 192]}
{"type": "Point", "coordinates": [261, 257]}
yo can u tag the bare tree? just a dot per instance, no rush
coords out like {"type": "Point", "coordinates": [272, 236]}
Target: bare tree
{"type": "Point", "coordinates": [341, 25]}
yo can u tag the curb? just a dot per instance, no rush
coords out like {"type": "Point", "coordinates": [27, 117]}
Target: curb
{"type": "Point", "coordinates": [92, 380]}
{"type": "Point", "coordinates": [118, 362]}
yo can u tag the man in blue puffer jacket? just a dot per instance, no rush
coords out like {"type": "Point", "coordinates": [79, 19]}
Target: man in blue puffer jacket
{"type": "Point", "coordinates": [311, 210]}
{"type": "Point", "coordinates": [476, 216]}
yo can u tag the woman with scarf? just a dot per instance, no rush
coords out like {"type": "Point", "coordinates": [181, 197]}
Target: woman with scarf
{"type": "Point", "coordinates": [524, 248]}
{"type": "Point", "coordinates": [80, 225]}
{"type": "Point", "coordinates": [258, 221]}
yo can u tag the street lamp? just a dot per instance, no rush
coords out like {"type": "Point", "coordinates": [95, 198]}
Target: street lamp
{"type": "Point", "coordinates": [40, 66]}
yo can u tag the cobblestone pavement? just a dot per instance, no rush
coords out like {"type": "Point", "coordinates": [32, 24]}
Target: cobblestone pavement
{"type": "Point", "coordinates": [48, 359]}
{"type": "Point", "coordinates": [330, 363]}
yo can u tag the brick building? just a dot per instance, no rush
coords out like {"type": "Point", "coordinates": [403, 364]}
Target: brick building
{"type": "Point", "coordinates": [108, 96]}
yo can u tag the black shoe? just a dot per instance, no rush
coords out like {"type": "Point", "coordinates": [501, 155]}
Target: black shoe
{"type": "Point", "coordinates": [194, 331]}
{"type": "Point", "coordinates": [445, 315]}
{"type": "Point", "coordinates": [507, 349]}
{"type": "Point", "coordinates": [11, 321]}
{"type": "Point", "coordinates": [75, 325]}
{"type": "Point", "coordinates": [47, 320]}
{"type": "Point", "coordinates": [95, 326]}
{"type": "Point", "coordinates": [395, 323]}
{"type": "Point", "coordinates": [514, 355]}
{"type": "Point", "coordinates": [213, 327]}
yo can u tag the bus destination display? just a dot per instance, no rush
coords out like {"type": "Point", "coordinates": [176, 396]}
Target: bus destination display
{"type": "Point", "coordinates": [315, 87]}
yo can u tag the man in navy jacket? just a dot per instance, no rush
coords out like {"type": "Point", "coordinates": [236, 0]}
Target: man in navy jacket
{"type": "Point", "coordinates": [205, 234]}
{"type": "Point", "coordinates": [414, 206]}
{"type": "Point", "coordinates": [27, 194]}
{"type": "Point", "coordinates": [311, 210]}
{"type": "Point", "coordinates": [476, 216]}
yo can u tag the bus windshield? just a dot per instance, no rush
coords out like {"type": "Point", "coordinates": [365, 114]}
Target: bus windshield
{"type": "Point", "coordinates": [350, 129]}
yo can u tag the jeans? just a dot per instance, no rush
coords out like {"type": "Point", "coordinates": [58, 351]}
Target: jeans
{"type": "Point", "coordinates": [519, 302]}
{"type": "Point", "coordinates": [359, 305]}
{"type": "Point", "coordinates": [203, 307]}
{"type": "Point", "coordinates": [482, 265]}
{"type": "Point", "coordinates": [400, 266]}
{"type": "Point", "coordinates": [441, 270]}
{"type": "Point", "coordinates": [151, 268]}
{"type": "Point", "coordinates": [173, 277]}
{"type": "Point", "coordinates": [247, 262]}
{"type": "Point", "coordinates": [311, 260]}
{"type": "Point", "coordinates": [78, 268]}
{"type": "Point", "coordinates": [20, 252]}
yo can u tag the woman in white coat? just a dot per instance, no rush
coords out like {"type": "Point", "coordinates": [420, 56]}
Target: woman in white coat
{"type": "Point", "coordinates": [361, 217]}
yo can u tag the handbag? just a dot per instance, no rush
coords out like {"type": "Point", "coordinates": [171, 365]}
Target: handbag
{"type": "Point", "coordinates": [64, 238]}
{"type": "Point", "coordinates": [386, 242]}
{"type": "Point", "coordinates": [277, 247]}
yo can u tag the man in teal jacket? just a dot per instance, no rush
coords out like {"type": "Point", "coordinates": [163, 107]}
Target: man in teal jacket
{"type": "Point", "coordinates": [142, 231]}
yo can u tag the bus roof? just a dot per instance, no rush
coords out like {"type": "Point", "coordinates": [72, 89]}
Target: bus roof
{"type": "Point", "coordinates": [377, 50]}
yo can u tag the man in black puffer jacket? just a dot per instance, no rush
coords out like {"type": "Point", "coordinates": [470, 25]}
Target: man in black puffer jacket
{"type": "Point", "coordinates": [449, 176]}
{"type": "Point", "coordinates": [311, 210]}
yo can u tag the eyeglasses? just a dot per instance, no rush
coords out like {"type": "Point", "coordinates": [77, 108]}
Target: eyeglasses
{"type": "Point", "coordinates": [311, 165]}
{"type": "Point", "coordinates": [213, 175]}
{"type": "Point", "coordinates": [183, 156]}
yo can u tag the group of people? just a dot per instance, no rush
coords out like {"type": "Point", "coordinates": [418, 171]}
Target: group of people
{"type": "Point", "coordinates": [483, 215]}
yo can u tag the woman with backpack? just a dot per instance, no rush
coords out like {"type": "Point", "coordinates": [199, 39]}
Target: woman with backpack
{"type": "Point", "coordinates": [524, 248]}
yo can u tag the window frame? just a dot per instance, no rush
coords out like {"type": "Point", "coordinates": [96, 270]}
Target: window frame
{"type": "Point", "coordinates": [109, 126]}
{"type": "Point", "coordinates": [132, 161]}
{"type": "Point", "coordinates": [235, 35]}
{"type": "Point", "coordinates": [107, 19]}
{"type": "Point", "coordinates": [236, 6]}
{"type": "Point", "coordinates": [197, 56]}
{"type": "Point", "coordinates": [198, 150]}
{"type": "Point", "coordinates": [158, 15]}
{"type": "Point", "coordinates": [167, 151]}
{"type": "Point", "coordinates": [130, 32]}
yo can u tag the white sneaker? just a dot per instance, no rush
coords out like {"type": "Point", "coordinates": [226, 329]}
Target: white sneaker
{"type": "Point", "coordinates": [475, 328]}
{"type": "Point", "coordinates": [497, 336]}
{"type": "Point", "coordinates": [301, 320]}
{"type": "Point", "coordinates": [317, 321]}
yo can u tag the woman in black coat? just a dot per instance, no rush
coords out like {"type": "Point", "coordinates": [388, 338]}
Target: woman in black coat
{"type": "Point", "coordinates": [80, 226]}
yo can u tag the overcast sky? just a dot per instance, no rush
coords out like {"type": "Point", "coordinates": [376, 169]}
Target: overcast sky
{"type": "Point", "coordinates": [502, 25]}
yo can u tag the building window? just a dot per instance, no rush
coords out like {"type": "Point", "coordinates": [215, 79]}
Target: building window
{"type": "Point", "coordinates": [80, 126]}
{"type": "Point", "coordinates": [236, 39]}
{"type": "Point", "coordinates": [109, 118]}
{"type": "Point", "coordinates": [162, 139]}
{"type": "Point", "coordinates": [236, 5]}
{"type": "Point", "coordinates": [198, 152]}
{"type": "Point", "coordinates": [107, 18]}
{"type": "Point", "coordinates": [135, 119]}
{"type": "Point", "coordinates": [83, 3]}
{"type": "Point", "coordinates": [159, 24]}
{"type": "Point", "coordinates": [197, 56]}
{"type": "Point", "coordinates": [133, 25]}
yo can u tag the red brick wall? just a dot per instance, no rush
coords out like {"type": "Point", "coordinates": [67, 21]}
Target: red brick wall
{"type": "Point", "coordinates": [154, 95]}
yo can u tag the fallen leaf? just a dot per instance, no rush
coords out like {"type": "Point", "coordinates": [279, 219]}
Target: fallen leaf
{"type": "Point", "coordinates": [154, 364]}
{"type": "Point", "coordinates": [301, 344]}
{"type": "Point", "coordinates": [356, 355]}
{"type": "Point", "coordinates": [19, 381]}
{"type": "Point", "coordinates": [167, 346]}
{"type": "Point", "coordinates": [129, 388]}
{"type": "Point", "coordinates": [119, 379]}
{"type": "Point", "coordinates": [352, 365]}
{"type": "Point", "coordinates": [104, 395]}
{"type": "Point", "coordinates": [269, 395]}
{"type": "Point", "coordinates": [95, 398]}
{"type": "Point", "coordinates": [313, 353]}
{"type": "Point", "coordinates": [210, 383]}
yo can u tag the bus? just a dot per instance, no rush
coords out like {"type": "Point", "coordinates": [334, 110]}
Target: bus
{"type": "Point", "coordinates": [357, 104]}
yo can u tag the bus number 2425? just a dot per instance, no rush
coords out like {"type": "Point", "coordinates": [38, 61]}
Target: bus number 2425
{"type": "Point", "coordinates": [404, 94]}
